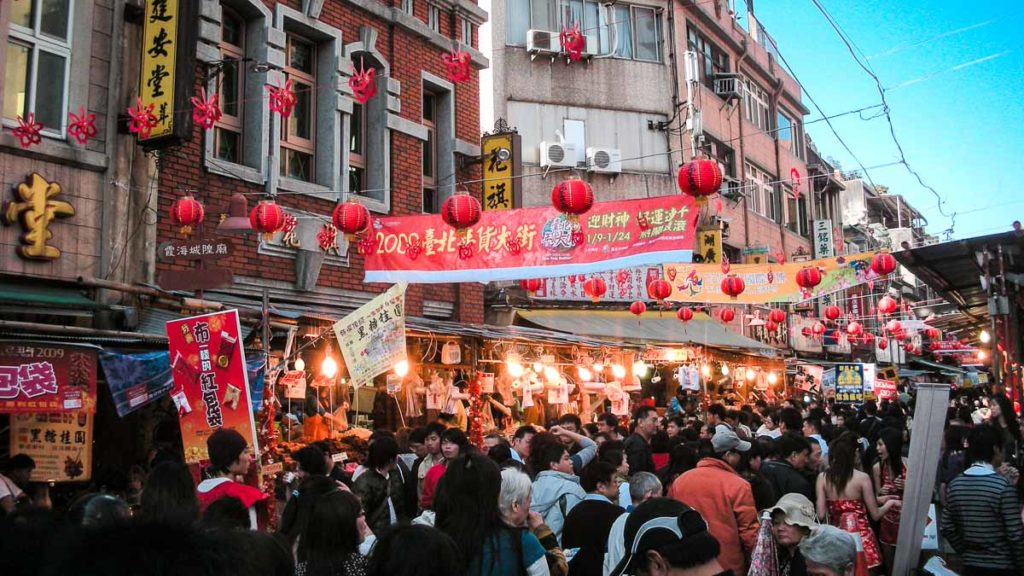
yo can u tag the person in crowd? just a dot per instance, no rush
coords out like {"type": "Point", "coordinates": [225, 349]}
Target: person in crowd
{"type": "Point", "coordinates": [468, 511]}
{"type": "Point", "coordinates": [638, 445]}
{"type": "Point", "coordinates": [299, 507]}
{"type": "Point", "coordinates": [706, 433]}
{"type": "Point", "coordinates": [571, 423]}
{"type": "Point", "coordinates": [793, 518]}
{"type": "Point", "coordinates": [556, 490]}
{"type": "Point", "coordinates": [783, 472]}
{"type": "Point", "coordinates": [790, 420]}
{"type": "Point", "coordinates": [677, 405]}
{"type": "Point", "coordinates": [982, 517]}
{"type": "Point", "coordinates": [417, 443]}
{"type": "Point", "coordinates": [845, 496]}
{"type": "Point", "coordinates": [750, 469]}
{"type": "Point", "coordinates": [493, 439]}
{"type": "Point", "coordinates": [569, 439]}
{"type": "Point", "coordinates": [381, 487]}
{"type": "Point", "coordinates": [659, 449]}
{"type": "Point", "coordinates": [587, 526]}
{"type": "Point", "coordinates": [432, 446]}
{"type": "Point", "coordinates": [812, 429]}
{"type": "Point", "coordinates": [229, 460]}
{"type": "Point", "coordinates": [227, 513]}
{"type": "Point", "coordinates": [169, 496]}
{"type": "Point", "coordinates": [335, 468]}
{"type": "Point", "coordinates": [674, 426]}
{"type": "Point", "coordinates": [454, 443]}
{"type": "Point", "coordinates": [310, 461]}
{"type": "Point", "coordinates": [12, 484]}
{"type": "Point", "coordinates": [663, 537]}
{"type": "Point", "coordinates": [683, 457]}
{"type": "Point", "coordinates": [889, 475]}
{"type": "Point", "coordinates": [100, 510]}
{"type": "Point", "coordinates": [502, 456]}
{"type": "Point", "coordinates": [514, 502]}
{"type": "Point", "coordinates": [1003, 417]}
{"type": "Point", "coordinates": [829, 551]}
{"type": "Point", "coordinates": [951, 464]}
{"type": "Point", "coordinates": [723, 498]}
{"type": "Point", "coordinates": [642, 487]}
{"type": "Point", "coordinates": [521, 443]}
{"type": "Point", "coordinates": [329, 543]}
{"type": "Point", "coordinates": [614, 454]}
{"type": "Point", "coordinates": [414, 550]}
{"type": "Point", "coordinates": [608, 424]}
{"type": "Point", "coordinates": [716, 417]}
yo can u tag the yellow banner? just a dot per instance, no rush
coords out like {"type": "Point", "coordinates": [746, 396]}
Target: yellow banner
{"type": "Point", "coordinates": [766, 283]}
{"type": "Point", "coordinates": [497, 173]}
{"type": "Point", "coordinates": [60, 443]}
{"type": "Point", "coordinates": [159, 46]}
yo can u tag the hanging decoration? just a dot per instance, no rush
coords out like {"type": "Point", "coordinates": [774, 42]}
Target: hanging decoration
{"type": "Point", "coordinates": [685, 314]}
{"type": "Point", "coordinates": [82, 126]}
{"type": "Point", "coordinates": [531, 285]}
{"type": "Point", "coordinates": [893, 326]}
{"type": "Point", "coordinates": [206, 111]}
{"type": "Point", "coordinates": [476, 408]}
{"type": "Point", "coordinates": [818, 329]}
{"type": "Point", "coordinates": [806, 332]}
{"type": "Point", "coordinates": [267, 218]}
{"type": "Point", "coordinates": [867, 338]}
{"type": "Point", "coordinates": [883, 343]}
{"type": "Point", "coordinates": [808, 277]}
{"type": "Point", "coordinates": [351, 218]}
{"type": "Point", "coordinates": [514, 246]}
{"type": "Point", "coordinates": [832, 313]}
{"type": "Point", "coordinates": [837, 335]}
{"type": "Point", "coordinates": [141, 119]}
{"type": "Point", "coordinates": [726, 315]}
{"type": "Point", "coordinates": [700, 178]}
{"type": "Point", "coordinates": [932, 333]}
{"type": "Point", "coordinates": [282, 98]}
{"type": "Point", "coordinates": [621, 278]}
{"type": "Point", "coordinates": [363, 83]}
{"type": "Point", "coordinates": [289, 237]}
{"type": "Point", "coordinates": [573, 42]}
{"type": "Point", "coordinates": [186, 212]}
{"type": "Point", "coordinates": [637, 308]}
{"type": "Point", "coordinates": [461, 211]}
{"type": "Point", "coordinates": [883, 264]}
{"type": "Point", "coordinates": [367, 245]}
{"type": "Point", "coordinates": [777, 315]}
{"type": "Point", "coordinates": [572, 197]}
{"type": "Point", "coordinates": [327, 239]}
{"type": "Point", "coordinates": [28, 131]}
{"type": "Point", "coordinates": [771, 326]}
{"type": "Point", "coordinates": [887, 305]}
{"type": "Point", "coordinates": [595, 288]}
{"type": "Point", "coordinates": [854, 328]}
{"type": "Point", "coordinates": [413, 248]}
{"type": "Point", "coordinates": [733, 286]}
{"type": "Point", "coordinates": [659, 289]}
{"type": "Point", "coordinates": [726, 266]}
{"type": "Point", "coordinates": [458, 66]}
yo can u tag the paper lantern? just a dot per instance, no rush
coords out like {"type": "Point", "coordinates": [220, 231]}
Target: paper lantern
{"type": "Point", "coordinates": [932, 333]}
{"type": "Point", "coordinates": [572, 196]}
{"type": "Point", "coordinates": [637, 308]}
{"type": "Point", "coordinates": [771, 326]}
{"type": "Point", "coordinates": [595, 288]}
{"type": "Point", "coordinates": [854, 328]}
{"type": "Point", "coordinates": [351, 217]}
{"type": "Point", "coordinates": [893, 326]}
{"type": "Point", "coordinates": [685, 314]}
{"type": "Point", "coordinates": [807, 278]}
{"type": "Point", "coordinates": [887, 305]}
{"type": "Point", "coordinates": [883, 343]}
{"type": "Point", "coordinates": [700, 178]}
{"type": "Point", "coordinates": [733, 286]}
{"type": "Point", "coordinates": [867, 338]}
{"type": "Point", "coordinates": [883, 264]}
{"type": "Point", "coordinates": [266, 217]}
{"type": "Point", "coordinates": [460, 211]}
{"type": "Point", "coordinates": [818, 328]}
{"type": "Point", "coordinates": [837, 335]}
{"type": "Point", "coordinates": [659, 289]}
{"type": "Point", "coordinates": [777, 315]}
{"type": "Point", "coordinates": [832, 313]}
{"type": "Point", "coordinates": [806, 332]}
{"type": "Point", "coordinates": [908, 347]}
{"type": "Point", "coordinates": [531, 285]}
{"type": "Point", "coordinates": [186, 212]}
{"type": "Point", "coordinates": [726, 315]}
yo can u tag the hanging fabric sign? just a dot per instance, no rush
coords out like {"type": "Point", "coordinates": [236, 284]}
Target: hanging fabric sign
{"type": "Point", "coordinates": [45, 377]}
{"type": "Point", "coordinates": [372, 339]}
{"type": "Point", "coordinates": [136, 379]}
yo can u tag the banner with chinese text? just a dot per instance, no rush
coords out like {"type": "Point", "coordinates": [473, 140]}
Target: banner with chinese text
{"type": "Point", "coordinates": [500, 180]}
{"type": "Point", "coordinates": [533, 242]}
{"type": "Point", "coordinates": [211, 383]}
{"type": "Point", "coordinates": [372, 339]}
{"type": "Point", "coordinates": [849, 383]}
{"type": "Point", "coordinates": [45, 377]}
{"type": "Point", "coordinates": [169, 30]}
{"type": "Point", "coordinates": [59, 442]}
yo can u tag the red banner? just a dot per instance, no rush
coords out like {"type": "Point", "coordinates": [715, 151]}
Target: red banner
{"type": "Point", "coordinates": [211, 385]}
{"type": "Point", "coordinates": [44, 377]}
{"type": "Point", "coordinates": [533, 242]}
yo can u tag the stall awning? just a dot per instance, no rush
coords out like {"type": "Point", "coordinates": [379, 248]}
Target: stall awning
{"type": "Point", "coordinates": [651, 327]}
{"type": "Point", "coordinates": [42, 295]}
{"type": "Point", "coordinates": [936, 367]}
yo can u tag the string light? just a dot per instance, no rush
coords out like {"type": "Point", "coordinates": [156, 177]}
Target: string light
{"type": "Point", "coordinates": [725, 370]}
{"type": "Point", "coordinates": [515, 369]}
{"type": "Point", "coordinates": [985, 337]}
{"type": "Point", "coordinates": [538, 367]}
{"type": "Point", "coordinates": [299, 364]}
{"type": "Point", "coordinates": [705, 371]}
{"type": "Point", "coordinates": [619, 371]}
{"type": "Point", "coordinates": [639, 369]}
{"type": "Point", "coordinates": [584, 374]}
{"type": "Point", "coordinates": [772, 378]}
{"type": "Point", "coordinates": [598, 367]}
{"type": "Point", "coordinates": [402, 368]}
{"type": "Point", "coordinates": [551, 374]}
{"type": "Point", "coordinates": [750, 374]}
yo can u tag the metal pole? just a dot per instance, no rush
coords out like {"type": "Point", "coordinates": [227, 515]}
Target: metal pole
{"type": "Point", "coordinates": [993, 310]}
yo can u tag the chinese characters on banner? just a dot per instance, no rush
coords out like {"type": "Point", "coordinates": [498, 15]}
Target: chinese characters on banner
{"type": "Point", "coordinates": [822, 239]}
{"type": "Point", "coordinates": [885, 389]}
{"type": "Point", "coordinates": [211, 384]}
{"type": "Point", "coordinates": [709, 246]}
{"type": "Point", "coordinates": [849, 383]}
{"type": "Point", "coordinates": [619, 234]}
{"type": "Point", "coordinates": [624, 285]}
{"type": "Point", "coordinates": [372, 339]}
{"type": "Point", "coordinates": [59, 442]}
{"type": "Point", "coordinates": [499, 182]}
{"type": "Point", "coordinates": [43, 377]}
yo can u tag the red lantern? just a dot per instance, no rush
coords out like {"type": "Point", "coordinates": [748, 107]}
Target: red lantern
{"type": "Point", "coordinates": [351, 217]}
{"type": "Point", "coordinates": [460, 211]}
{"type": "Point", "coordinates": [733, 286]}
{"type": "Point", "coordinates": [637, 308]}
{"type": "Point", "coordinates": [659, 289]}
{"type": "Point", "coordinates": [883, 264]}
{"type": "Point", "coordinates": [727, 315]}
{"type": "Point", "coordinates": [867, 338]}
{"type": "Point", "coordinates": [266, 218]}
{"type": "Point", "coordinates": [186, 212]}
{"type": "Point", "coordinates": [595, 288]}
{"type": "Point", "coordinates": [932, 333]}
{"type": "Point", "coordinates": [531, 285]}
{"type": "Point", "coordinates": [837, 335]}
{"type": "Point", "coordinates": [893, 326]}
{"type": "Point", "coordinates": [806, 332]}
{"type": "Point", "coordinates": [572, 196]}
{"type": "Point", "coordinates": [883, 343]}
{"type": "Point", "coordinates": [685, 314]}
{"type": "Point", "coordinates": [771, 326]}
{"type": "Point", "coordinates": [887, 305]}
{"type": "Point", "coordinates": [807, 278]}
{"type": "Point", "coordinates": [908, 347]}
{"type": "Point", "coordinates": [832, 313]}
{"type": "Point", "coordinates": [778, 316]}
{"type": "Point", "coordinates": [700, 178]}
{"type": "Point", "coordinates": [854, 328]}
{"type": "Point", "coordinates": [818, 328]}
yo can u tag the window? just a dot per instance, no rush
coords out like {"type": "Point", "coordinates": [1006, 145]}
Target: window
{"type": "Point", "coordinates": [357, 150]}
{"type": "Point", "coordinates": [518, 22]}
{"type": "Point", "coordinates": [755, 105]}
{"type": "Point", "coordinates": [796, 209]}
{"type": "Point", "coordinates": [576, 133]}
{"type": "Point", "coordinates": [38, 52]}
{"type": "Point", "coordinates": [761, 192]}
{"type": "Point", "coordinates": [434, 18]}
{"type": "Point", "coordinates": [726, 158]}
{"type": "Point", "coordinates": [646, 27]}
{"type": "Point", "coordinates": [790, 134]}
{"type": "Point", "coordinates": [636, 29]}
{"type": "Point", "coordinates": [297, 142]}
{"type": "Point", "coordinates": [467, 32]}
{"type": "Point", "coordinates": [409, 7]}
{"type": "Point", "coordinates": [623, 32]}
{"type": "Point", "coordinates": [431, 201]}
{"type": "Point", "coordinates": [711, 59]}
{"type": "Point", "coordinates": [227, 132]}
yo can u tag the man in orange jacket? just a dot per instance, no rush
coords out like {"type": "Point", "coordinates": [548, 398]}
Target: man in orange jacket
{"type": "Point", "coordinates": [723, 498]}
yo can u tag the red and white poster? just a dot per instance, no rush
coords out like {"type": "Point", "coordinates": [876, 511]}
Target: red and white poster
{"type": "Point", "coordinates": [211, 385]}
{"type": "Point", "coordinates": [885, 389]}
{"type": "Point", "coordinates": [533, 242]}
{"type": "Point", "coordinates": [47, 377]}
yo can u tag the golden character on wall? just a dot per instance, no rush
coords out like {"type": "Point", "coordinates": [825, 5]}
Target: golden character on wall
{"type": "Point", "coordinates": [36, 208]}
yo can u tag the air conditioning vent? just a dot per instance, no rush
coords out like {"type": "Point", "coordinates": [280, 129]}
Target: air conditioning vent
{"type": "Point", "coordinates": [557, 155]}
{"type": "Point", "coordinates": [604, 160]}
{"type": "Point", "coordinates": [542, 42]}
{"type": "Point", "coordinates": [729, 86]}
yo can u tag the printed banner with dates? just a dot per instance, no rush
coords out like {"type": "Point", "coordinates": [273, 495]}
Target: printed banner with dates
{"type": "Point", "coordinates": [533, 242]}
{"type": "Point", "coordinates": [211, 384]}
{"type": "Point", "coordinates": [372, 339]}
{"type": "Point", "coordinates": [59, 442]}
{"type": "Point", "coordinates": [45, 377]}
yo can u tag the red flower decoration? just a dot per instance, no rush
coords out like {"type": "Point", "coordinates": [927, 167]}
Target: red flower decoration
{"type": "Point", "coordinates": [367, 245]}
{"type": "Point", "coordinates": [573, 42]}
{"type": "Point", "coordinates": [141, 119]}
{"type": "Point", "coordinates": [465, 251]}
{"type": "Point", "coordinates": [206, 111]}
{"type": "Point", "coordinates": [327, 238]}
{"type": "Point", "coordinates": [725, 264]}
{"type": "Point", "coordinates": [457, 66]}
{"type": "Point", "coordinates": [28, 131]}
{"type": "Point", "coordinates": [363, 83]}
{"type": "Point", "coordinates": [282, 98]}
{"type": "Point", "coordinates": [413, 249]}
{"type": "Point", "coordinates": [82, 126]}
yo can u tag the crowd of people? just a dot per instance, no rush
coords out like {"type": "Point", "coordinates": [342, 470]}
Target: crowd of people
{"type": "Point", "coordinates": [684, 491]}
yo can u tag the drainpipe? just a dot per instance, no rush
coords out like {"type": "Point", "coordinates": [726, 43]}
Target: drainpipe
{"type": "Point", "coordinates": [742, 155]}
{"type": "Point", "coordinates": [778, 166]}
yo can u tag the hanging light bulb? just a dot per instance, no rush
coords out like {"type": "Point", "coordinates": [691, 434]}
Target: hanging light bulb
{"type": "Point", "coordinates": [982, 355]}
{"type": "Point", "coordinates": [402, 368]}
{"type": "Point", "coordinates": [985, 337]}
{"type": "Point", "coordinates": [772, 378]}
{"type": "Point", "coordinates": [584, 374]}
{"type": "Point", "coordinates": [299, 364]}
{"type": "Point", "coordinates": [538, 367]}
{"type": "Point", "coordinates": [551, 374]}
{"type": "Point", "coordinates": [598, 367]}
{"type": "Point", "coordinates": [750, 374]}
{"type": "Point", "coordinates": [705, 371]}
{"type": "Point", "coordinates": [725, 370]}
{"type": "Point", "coordinates": [639, 369]}
{"type": "Point", "coordinates": [619, 371]}
{"type": "Point", "coordinates": [515, 369]}
{"type": "Point", "coordinates": [329, 367]}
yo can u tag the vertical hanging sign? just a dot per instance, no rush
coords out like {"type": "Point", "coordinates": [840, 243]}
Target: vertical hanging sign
{"type": "Point", "coordinates": [709, 246]}
{"type": "Point", "coordinates": [823, 247]}
{"type": "Point", "coordinates": [499, 153]}
{"type": "Point", "coordinates": [168, 69]}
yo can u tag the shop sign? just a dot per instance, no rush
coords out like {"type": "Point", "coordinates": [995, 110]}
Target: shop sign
{"type": "Point", "coordinates": [501, 182]}
{"type": "Point", "coordinates": [822, 236]}
{"type": "Point", "coordinates": [169, 30]}
{"type": "Point", "coordinates": [828, 383]}
{"type": "Point", "coordinates": [60, 443]}
{"type": "Point", "coordinates": [533, 242]}
{"type": "Point", "coordinates": [709, 246]}
{"type": "Point", "coordinates": [35, 207]}
{"type": "Point", "coordinates": [626, 285]}
{"type": "Point", "coordinates": [372, 339]}
{"type": "Point", "coordinates": [885, 389]}
{"type": "Point", "coordinates": [211, 383]}
{"type": "Point", "coordinates": [849, 383]}
{"type": "Point", "coordinates": [195, 249]}
{"type": "Point", "coordinates": [44, 377]}
{"type": "Point", "coordinates": [808, 378]}
{"type": "Point", "coordinates": [294, 384]}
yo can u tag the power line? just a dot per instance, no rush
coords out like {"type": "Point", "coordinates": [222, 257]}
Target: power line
{"type": "Point", "coordinates": [907, 46]}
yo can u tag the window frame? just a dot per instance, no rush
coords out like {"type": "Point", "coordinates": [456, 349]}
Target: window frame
{"type": "Point", "coordinates": [709, 56]}
{"type": "Point", "coordinates": [299, 78]}
{"type": "Point", "coordinates": [467, 32]}
{"type": "Point", "coordinates": [796, 223]}
{"type": "Point", "coordinates": [227, 122]}
{"type": "Point", "coordinates": [409, 7]}
{"type": "Point", "coordinates": [434, 17]}
{"type": "Point", "coordinates": [756, 97]}
{"type": "Point", "coordinates": [357, 158]}
{"type": "Point", "coordinates": [760, 191]}
{"type": "Point", "coordinates": [795, 132]}
{"type": "Point", "coordinates": [430, 182]}
{"type": "Point", "coordinates": [633, 9]}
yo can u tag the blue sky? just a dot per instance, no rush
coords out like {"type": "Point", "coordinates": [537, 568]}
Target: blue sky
{"type": "Point", "coordinates": [962, 130]}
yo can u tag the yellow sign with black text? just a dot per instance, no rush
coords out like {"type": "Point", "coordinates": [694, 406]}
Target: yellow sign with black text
{"type": "Point", "coordinates": [159, 48]}
{"type": "Point", "coordinates": [498, 161]}
{"type": "Point", "coordinates": [709, 246]}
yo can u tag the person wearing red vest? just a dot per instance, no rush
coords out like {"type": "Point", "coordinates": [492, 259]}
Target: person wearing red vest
{"type": "Point", "coordinates": [229, 459]}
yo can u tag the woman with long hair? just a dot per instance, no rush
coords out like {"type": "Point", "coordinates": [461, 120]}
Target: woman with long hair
{"type": "Point", "coordinates": [682, 458]}
{"type": "Point", "coordinates": [467, 509]}
{"type": "Point", "coordinates": [329, 542]}
{"type": "Point", "coordinates": [890, 475]}
{"type": "Point", "coordinates": [169, 496]}
{"type": "Point", "coordinates": [845, 496]}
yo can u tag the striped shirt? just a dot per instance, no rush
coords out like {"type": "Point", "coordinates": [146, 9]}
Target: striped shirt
{"type": "Point", "coordinates": [982, 520]}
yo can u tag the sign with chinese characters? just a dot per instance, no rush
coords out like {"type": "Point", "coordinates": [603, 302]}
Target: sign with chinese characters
{"type": "Point", "coordinates": [849, 383]}
{"type": "Point", "coordinates": [168, 63]}
{"type": "Point", "coordinates": [372, 339]}
{"type": "Point", "coordinates": [822, 239]}
{"type": "Point", "coordinates": [211, 383]}
{"type": "Point", "coordinates": [36, 207]}
{"type": "Point", "coordinates": [885, 389]}
{"type": "Point", "coordinates": [59, 442]}
{"type": "Point", "coordinates": [709, 246]}
{"type": "Point", "coordinates": [195, 249]}
{"type": "Point", "coordinates": [808, 378]}
{"type": "Point", "coordinates": [500, 176]}
{"type": "Point", "coordinates": [44, 377]}
{"type": "Point", "coordinates": [533, 242]}
{"type": "Point", "coordinates": [626, 285]}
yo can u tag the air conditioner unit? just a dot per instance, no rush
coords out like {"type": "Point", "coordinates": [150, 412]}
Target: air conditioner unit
{"type": "Point", "coordinates": [729, 86]}
{"type": "Point", "coordinates": [592, 47]}
{"type": "Point", "coordinates": [542, 42]}
{"type": "Point", "coordinates": [604, 160]}
{"type": "Point", "coordinates": [557, 155]}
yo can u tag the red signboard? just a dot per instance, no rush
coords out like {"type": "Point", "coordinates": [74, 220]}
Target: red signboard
{"type": "Point", "coordinates": [45, 377]}
{"type": "Point", "coordinates": [533, 242]}
{"type": "Point", "coordinates": [885, 389]}
{"type": "Point", "coordinates": [211, 386]}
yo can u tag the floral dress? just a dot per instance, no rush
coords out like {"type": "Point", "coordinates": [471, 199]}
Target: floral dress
{"type": "Point", "coordinates": [889, 527]}
{"type": "Point", "coordinates": [852, 516]}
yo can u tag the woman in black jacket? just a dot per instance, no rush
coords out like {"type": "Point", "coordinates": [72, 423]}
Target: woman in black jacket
{"type": "Point", "coordinates": [380, 488]}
